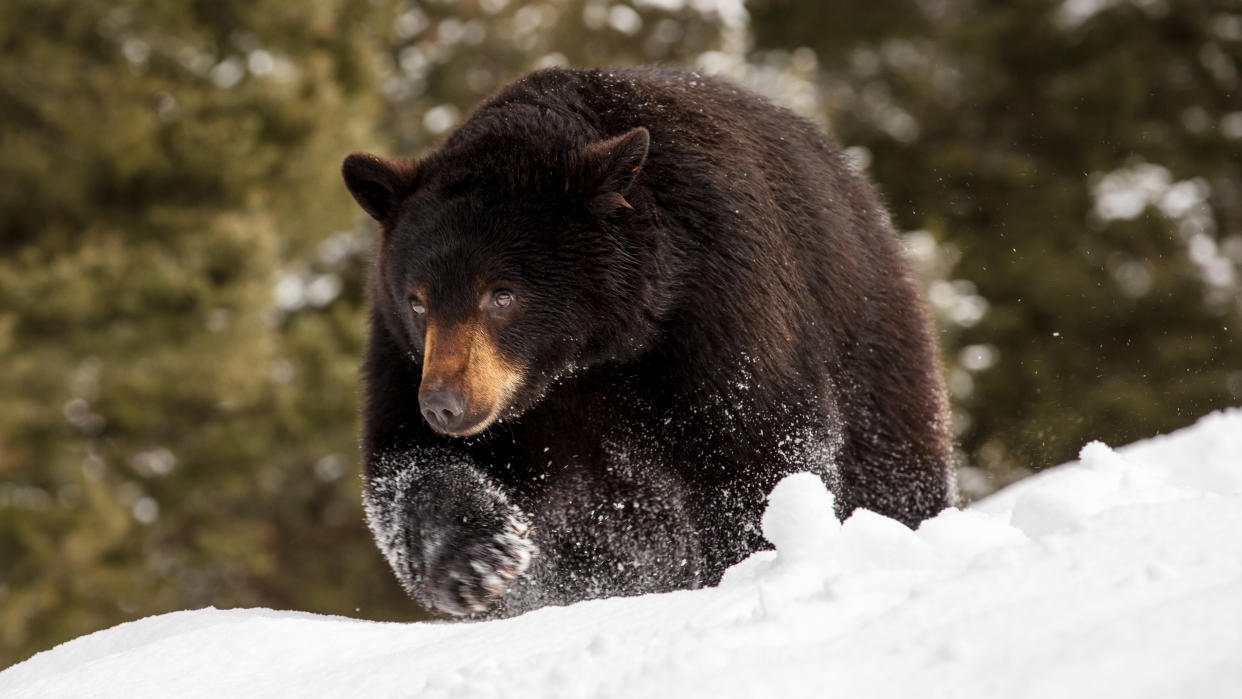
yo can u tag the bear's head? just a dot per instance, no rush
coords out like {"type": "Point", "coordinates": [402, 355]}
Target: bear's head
{"type": "Point", "coordinates": [509, 259]}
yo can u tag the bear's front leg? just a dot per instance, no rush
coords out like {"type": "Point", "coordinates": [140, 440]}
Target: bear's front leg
{"type": "Point", "coordinates": [452, 537]}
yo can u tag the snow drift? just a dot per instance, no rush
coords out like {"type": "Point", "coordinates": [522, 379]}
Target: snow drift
{"type": "Point", "coordinates": [1118, 575]}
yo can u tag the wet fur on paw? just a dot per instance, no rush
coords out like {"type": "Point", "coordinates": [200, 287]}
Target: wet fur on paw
{"type": "Point", "coordinates": [474, 566]}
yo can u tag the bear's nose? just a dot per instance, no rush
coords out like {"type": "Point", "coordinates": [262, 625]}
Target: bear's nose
{"type": "Point", "coordinates": [443, 408]}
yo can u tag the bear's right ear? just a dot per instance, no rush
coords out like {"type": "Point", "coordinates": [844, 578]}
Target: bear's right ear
{"type": "Point", "coordinates": [378, 184]}
{"type": "Point", "coordinates": [604, 171]}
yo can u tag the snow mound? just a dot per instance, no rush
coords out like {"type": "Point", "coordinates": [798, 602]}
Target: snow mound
{"type": "Point", "coordinates": [799, 520]}
{"type": "Point", "coordinates": [1117, 575]}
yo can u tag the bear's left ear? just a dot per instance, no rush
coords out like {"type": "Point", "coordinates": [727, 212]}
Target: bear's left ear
{"type": "Point", "coordinates": [605, 170]}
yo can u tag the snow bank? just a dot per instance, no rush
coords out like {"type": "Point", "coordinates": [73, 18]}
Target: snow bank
{"type": "Point", "coordinates": [1119, 575]}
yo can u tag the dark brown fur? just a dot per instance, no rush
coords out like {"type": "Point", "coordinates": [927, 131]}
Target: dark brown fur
{"type": "Point", "coordinates": [710, 299]}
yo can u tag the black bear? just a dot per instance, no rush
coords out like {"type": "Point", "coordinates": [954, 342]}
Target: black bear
{"type": "Point", "coordinates": [609, 313]}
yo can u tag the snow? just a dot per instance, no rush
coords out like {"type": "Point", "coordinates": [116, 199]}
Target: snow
{"type": "Point", "coordinates": [1118, 575]}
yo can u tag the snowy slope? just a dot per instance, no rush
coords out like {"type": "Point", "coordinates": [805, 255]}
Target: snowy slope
{"type": "Point", "coordinates": [1116, 576]}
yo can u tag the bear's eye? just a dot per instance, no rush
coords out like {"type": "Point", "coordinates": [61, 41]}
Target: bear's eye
{"type": "Point", "coordinates": [502, 298]}
{"type": "Point", "coordinates": [417, 307]}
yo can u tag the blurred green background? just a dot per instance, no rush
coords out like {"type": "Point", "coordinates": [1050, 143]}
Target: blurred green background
{"type": "Point", "coordinates": [181, 270]}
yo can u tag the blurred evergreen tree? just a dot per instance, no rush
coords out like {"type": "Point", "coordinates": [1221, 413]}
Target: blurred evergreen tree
{"type": "Point", "coordinates": [172, 435]}
{"type": "Point", "coordinates": [1084, 160]}
{"type": "Point", "coordinates": [444, 57]}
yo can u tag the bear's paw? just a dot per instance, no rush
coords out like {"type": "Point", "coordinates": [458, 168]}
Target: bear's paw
{"type": "Point", "coordinates": [476, 567]}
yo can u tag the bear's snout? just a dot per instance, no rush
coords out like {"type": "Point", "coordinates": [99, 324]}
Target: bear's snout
{"type": "Point", "coordinates": [443, 408]}
{"type": "Point", "coordinates": [466, 383]}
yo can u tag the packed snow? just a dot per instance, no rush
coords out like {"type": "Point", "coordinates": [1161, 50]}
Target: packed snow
{"type": "Point", "coordinates": [1119, 575]}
